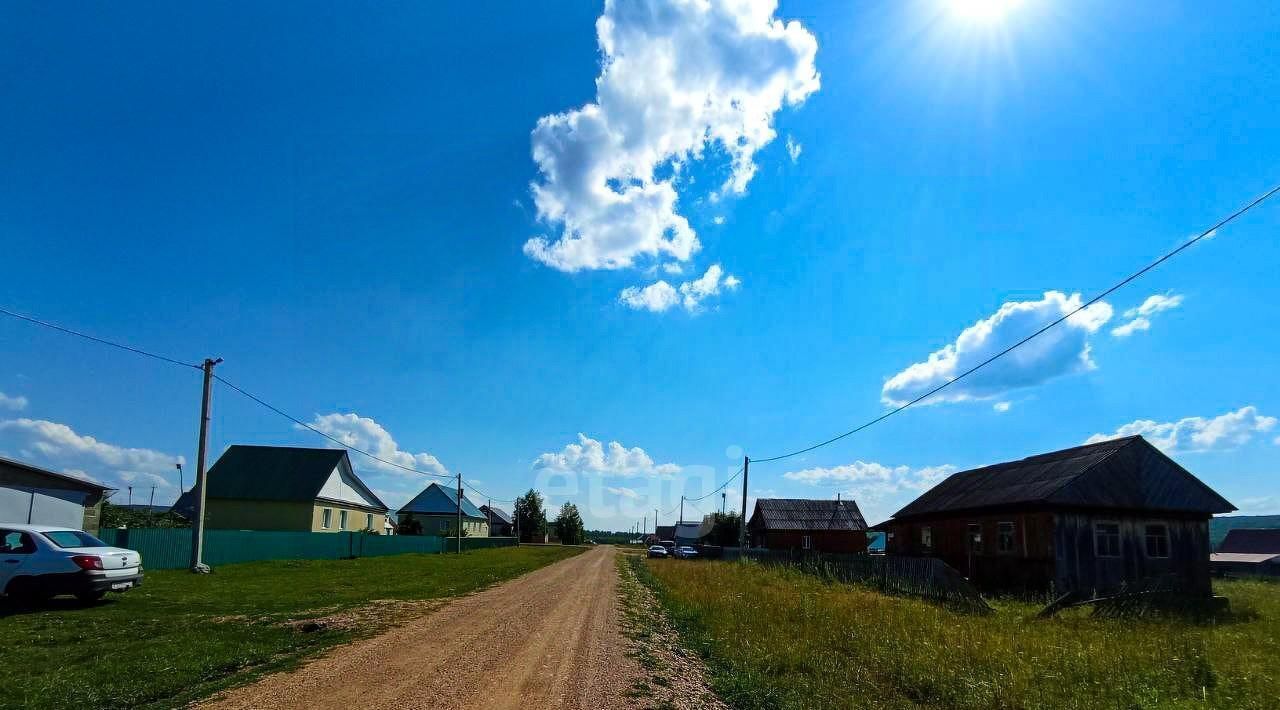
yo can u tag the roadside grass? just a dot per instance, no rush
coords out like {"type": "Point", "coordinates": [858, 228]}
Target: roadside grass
{"type": "Point", "coordinates": [777, 638]}
{"type": "Point", "coordinates": [180, 637]}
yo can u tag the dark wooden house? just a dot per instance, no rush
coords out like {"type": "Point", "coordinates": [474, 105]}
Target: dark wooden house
{"type": "Point", "coordinates": [500, 524]}
{"type": "Point", "coordinates": [802, 524]}
{"type": "Point", "coordinates": [1085, 519]}
{"type": "Point", "coordinates": [1248, 552]}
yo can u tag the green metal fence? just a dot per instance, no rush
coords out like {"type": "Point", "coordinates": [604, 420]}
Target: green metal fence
{"type": "Point", "coordinates": [170, 548]}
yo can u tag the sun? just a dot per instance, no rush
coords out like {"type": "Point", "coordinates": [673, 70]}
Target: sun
{"type": "Point", "coordinates": [982, 11]}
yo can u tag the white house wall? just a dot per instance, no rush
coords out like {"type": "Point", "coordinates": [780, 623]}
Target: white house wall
{"type": "Point", "coordinates": [342, 486]}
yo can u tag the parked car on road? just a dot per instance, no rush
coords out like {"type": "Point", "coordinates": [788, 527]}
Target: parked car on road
{"type": "Point", "coordinates": [40, 561]}
{"type": "Point", "coordinates": [685, 552]}
{"type": "Point", "coordinates": [669, 546]}
{"type": "Point", "coordinates": [657, 551]}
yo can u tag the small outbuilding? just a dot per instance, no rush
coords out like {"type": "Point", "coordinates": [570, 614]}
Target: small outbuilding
{"type": "Point", "coordinates": [1085, 520]}
{"type": "Point", "coordinates": [834, 526]}
{"type": "Point", "coordinates": [500, 524]}
{"type": "Point", "coordinates": [30, 494]}
{"type": "Point", "coordinates": [1248, 552]}
{"type": "Point", "coordinates": [434, 511]}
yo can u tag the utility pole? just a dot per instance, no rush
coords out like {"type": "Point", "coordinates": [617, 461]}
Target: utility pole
{"type": "Point", "coordinates": [742, 527]}
{"type": "Point", "coordinates": [724, 498]}
{"type": "Point", "coordinates": [681, 520]}
{"type": "Point", "coordinates": [197, 518]}
{"type": "Point", "coordinates": [181, 487]}
{"type": "Point", "coordinates": [655, 523]}
{"type": "Point", "coordinates": [645, 527]}
{"type": "Point", "coordinates": [130, 496]}
{"type": "Point", "coordinates": [488, 514]}
{"type": "Point", "coordinates": [151, 505]}
{"type": "Point", "coordinates": [459, 512]}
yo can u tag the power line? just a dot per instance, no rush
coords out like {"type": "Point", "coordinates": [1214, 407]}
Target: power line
{"type": "Point", "coordinates": [339, 442]}
{"type": "Point", "coordinates": [481, 493]}
{"type": "Point", "coordinates": [86, 336]}
{"type": "Point", "coordinates": [721, 488]}
{"type": "Point", "coordinates": [1027, 339]}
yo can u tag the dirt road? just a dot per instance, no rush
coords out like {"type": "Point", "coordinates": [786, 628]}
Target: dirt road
{"type": "Point", "coordinates": [549, 639]}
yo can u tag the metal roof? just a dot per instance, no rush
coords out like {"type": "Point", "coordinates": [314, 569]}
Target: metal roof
{"type": "Point", "coordinates": [1126, 473]}
{"type": "Point", "coordinates": [806, 514]}
{"type": "Point", "coordinates": [498, 514]}
{"type": "Point", "coordinates": [65, 477]}
{"type": "Point", "coordinates": [1252, 541]}
{"type": "Point", "coordinates": [281, 473]}
{"type": "Point", "coordinates": [1252, 558]}
{"type": "Point", "coordinates": [436, 499]}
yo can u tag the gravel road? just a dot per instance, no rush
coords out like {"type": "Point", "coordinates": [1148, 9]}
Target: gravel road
{"type": "Point", "coordinates": [549, 639]}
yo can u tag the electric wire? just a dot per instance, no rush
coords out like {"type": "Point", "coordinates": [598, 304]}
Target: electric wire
{"type": "Point", "coordinates": [335, 440]}
{"type": "Point", "coordinates": [86, 336]}
{"type": "Point", "coordinates": [1124, 282]}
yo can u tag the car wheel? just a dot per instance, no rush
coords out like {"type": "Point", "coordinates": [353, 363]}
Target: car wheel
{"type": "Point", "coordinates": [25, 590]}
{"type": "Point", "coordinates": [90, 597]}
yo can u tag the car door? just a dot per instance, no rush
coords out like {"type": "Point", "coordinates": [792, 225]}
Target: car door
{"type": "Point", "coordinates": [16, 548]}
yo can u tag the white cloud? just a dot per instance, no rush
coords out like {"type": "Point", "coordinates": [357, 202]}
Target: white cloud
{"type": "Point", "coordinates": [678, 77]}
{"type": "Point", "coordinates": [628, 493]}
{"type": "Point", "coordinates": [1002, 407]}
{"type": "Point", "coordinates": [17, 403]}
{"type": "Point", "coordinates": [794, 149]}
{"type": "Point", "coordinates": [673, 269]}
{"type": "Point", "coordinates": [1197, 433]}
{"type": "Point", "coordinates": [364, 433]}
{"type": "Point", "coordinates": [1133, 326]}
{"type": "Point", "coordinates": [718, 219]}
{"type": "Point", "coordinates": [660, 296]}
{"type": "Point", "coordinates": [76, 454]}
{"type": "Point", "coordinates": [1140, 316]}
{"type": "Point", "coordinates": [590, 456]}
{"type": "Point", "coordinates": [1059, 351]}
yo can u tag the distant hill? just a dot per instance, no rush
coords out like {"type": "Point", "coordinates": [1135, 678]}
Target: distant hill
{"type": "Point", "coordinates": [1219, 526]}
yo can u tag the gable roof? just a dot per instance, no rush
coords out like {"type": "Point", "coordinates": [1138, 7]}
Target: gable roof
{"type": "Point", "coordinates": [1252, 541]}
{"type": "Point", "coordinates": [806, 514]}
{"type": "Point", "coordinates": [436, 499]}
{"type": "Point", "coordinates": [499, 515]}
{"type": "Point", "coordinates": [1126, 473]}
{"type": "Point", "coordinates": [283, 473]}
{"type": "Point", "coordinates": [63, 477]}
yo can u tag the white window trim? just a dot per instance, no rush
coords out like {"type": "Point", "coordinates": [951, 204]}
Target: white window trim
{"type": "Point", "coordinates": [1119, 540]}
{"type": "Point", "coordinates": [342, 519]}
{"type": "Point", "coordinates": [326, 518]}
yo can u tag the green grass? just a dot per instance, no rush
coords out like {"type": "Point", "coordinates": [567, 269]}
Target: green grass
{"type": "Point", "coordinates": [775, 638]}
{"type": "Point", "coordinates": [182, 636]}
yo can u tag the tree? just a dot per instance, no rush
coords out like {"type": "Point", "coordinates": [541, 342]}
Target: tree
{"type": "Point", "coordinates": [724, 530]}
{"type": "Point", "coordinates": [569, 525]}
{"type": "Point", "coordinates": [115, 516]}
{"type": "Point", "coordinates": [530, 517]}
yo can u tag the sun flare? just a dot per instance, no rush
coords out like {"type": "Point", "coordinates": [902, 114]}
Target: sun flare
{"type": "Point", "coordinates": [985, 11]}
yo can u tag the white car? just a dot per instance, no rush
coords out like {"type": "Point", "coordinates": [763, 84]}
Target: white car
{"type": "Point", "coordinates": [686, 552]}
{"type": "Point", "coordinates": [41, 561]}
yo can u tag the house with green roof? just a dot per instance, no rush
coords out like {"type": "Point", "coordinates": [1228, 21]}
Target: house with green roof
{"type": "Point", "coordinates": [287, 488]}
{"type": "Point", "coordinates": [434, 511]}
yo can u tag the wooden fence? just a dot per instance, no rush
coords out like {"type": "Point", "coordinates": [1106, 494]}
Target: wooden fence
{"type": "Point", "coordinates": [922, 577]}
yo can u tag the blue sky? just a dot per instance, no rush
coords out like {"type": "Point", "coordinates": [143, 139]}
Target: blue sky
{"type": "Point", "coordinates": [439, 231]}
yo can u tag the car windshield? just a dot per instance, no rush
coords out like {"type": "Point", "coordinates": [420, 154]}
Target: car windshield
{"type": "Point", "coordinates": [73, 538]}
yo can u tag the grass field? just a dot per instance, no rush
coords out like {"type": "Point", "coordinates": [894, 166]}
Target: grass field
{"type": "Point", "coordinates": [182, 636]}
{"type": "Point", "coordinates": [775, 638]}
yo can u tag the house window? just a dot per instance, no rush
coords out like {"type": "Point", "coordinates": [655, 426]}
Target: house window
{"type": "Point", "coordinates": [326, 518]}
{"type": "Point", "coordinates": [975, 537]}
{"type": "Point", "coordinates": [444, 524]}
{"type": "Point", "coordinates": [342, 520]}
{"type": "Point", "coordinates": [368, 521]}
{"type": "Point", "coordinates": [1157, 541]}
{"type": "Point", "coordinates": [805, 542]}
{"type": "Point", "coordinates": [1106, 539]}
{"type": "Point", "coordinates": [1004, 537]}
{"type": "Point", "coordinates": [926, 537]}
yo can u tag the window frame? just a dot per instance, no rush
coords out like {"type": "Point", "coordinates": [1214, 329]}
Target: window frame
{"type": "Point", "coordinates": [326, 518]}
{"type": "Point", "coordinates": [806, 542]}
{"type": "Point", "coordinates": [26, 539]}
{"type": "Point", "coordinates": [973, 537]}
{"type": "Point", "coordinates": [1147, 537]}
{"type": "Point", "coordinates": [1097, 538]}
{"type": "Point", "coordinates": [926, 537]}
{"type": "Point", "coordinates": [368, 521]}
{"type": "Point", "coordinates": [342, 519]}
{"type": "Point", "coordinates": [1006, 530]}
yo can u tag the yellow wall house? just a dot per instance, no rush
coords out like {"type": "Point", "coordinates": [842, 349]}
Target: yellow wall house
{"type": "Point", "coordinates": [434, 511]}
{"type": "Point", "coordinates": [288, 488]}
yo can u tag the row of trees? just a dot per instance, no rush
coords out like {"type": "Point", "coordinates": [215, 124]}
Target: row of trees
{"type": "Point", "coordinates": [531, 520]}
